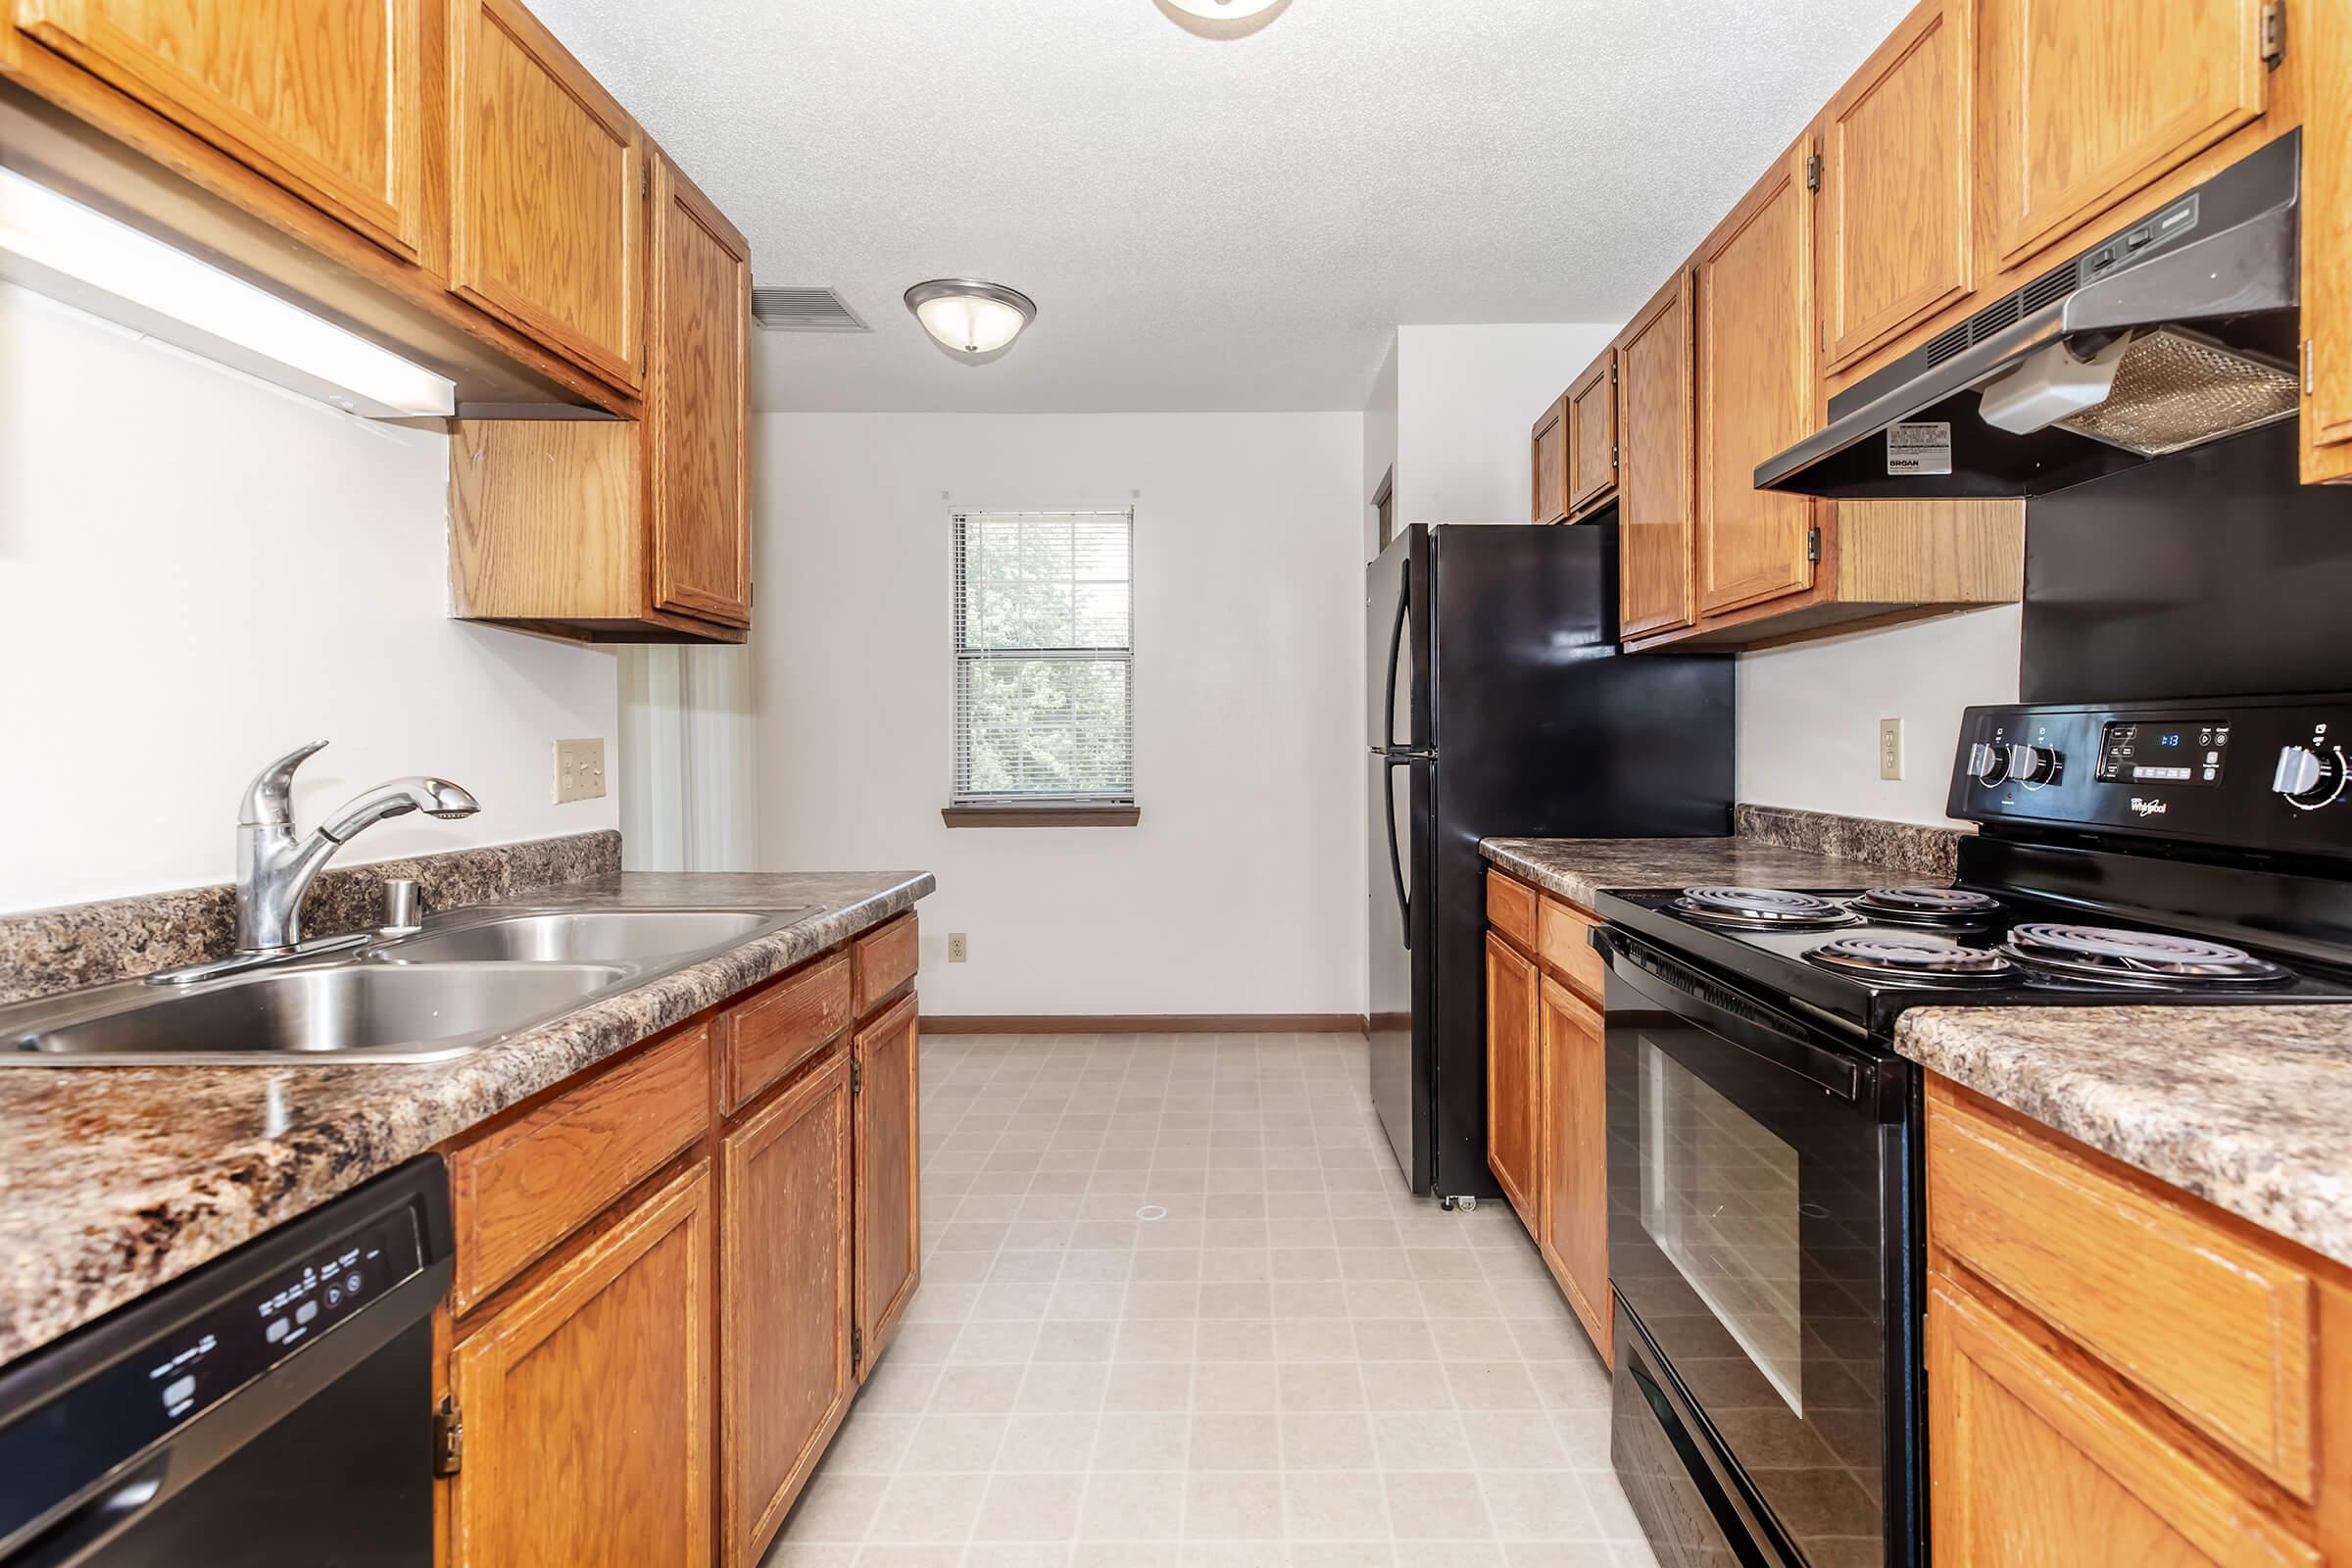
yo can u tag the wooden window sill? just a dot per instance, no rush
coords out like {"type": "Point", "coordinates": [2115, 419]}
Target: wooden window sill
{"type": "Point", "coordinates": [1040, 816]}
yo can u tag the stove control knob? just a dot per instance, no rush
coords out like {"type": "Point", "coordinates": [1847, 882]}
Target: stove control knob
{"type": "Point", "coordinates": [2034, 764]}
{"type": "Point", "coordinates": [2309, 778]}
{"type": "Point", "coordinates": [1989, 766]}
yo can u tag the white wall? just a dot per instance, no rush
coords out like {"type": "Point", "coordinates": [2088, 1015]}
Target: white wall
{"type": "Point", "coordinates": [1809, 713]}
{"type": "Point", "coordinates": [1243, 890]}
{"type": "Point", "coordinates": [199, 572]}
{"type": "Point", "coordinates": [1466, 399]}
{"type": "Point", "coordinates": [1380, 445]}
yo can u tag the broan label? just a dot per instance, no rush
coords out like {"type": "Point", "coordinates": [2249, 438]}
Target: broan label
{"type": "Point", "coordinates": [1919, 446]}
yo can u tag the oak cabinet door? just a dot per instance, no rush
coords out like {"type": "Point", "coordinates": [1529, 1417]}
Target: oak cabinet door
{"type": "Point", "coordinates": [547, 190]}
{"type": "Point", "coordinates": [1757, 395]}
{"type": "Point", "coordinates": [1513, 1111]}
{"type": "Point", "coordinates": [1574, 1238]}
{"type": "Point", "coordinates": [1897, 169]}
{"type": "Point", "coordinates": [889, 1165]}
{"type": "Point", "coordinates": [1548, 456]}
{"type": "Point", "coordinates": [2033, 1465]}
{"type": "Point", "coordinates": [1593, 433]}
{"type": "Point", "coordinates": [1654, 511]}
{"type": "Point", "coordinates": [698, 404]}
{"type": "Point", "coordinates": [2327, 241]}
{"type": "Point", "coordinates": [587, 1402]}
{"type": "Point", "coordinates": [785, 1223]}
{"type": "Point", "coordinates": [2087, 101]}
{"type": "Point", "coordinates": [321, 96]}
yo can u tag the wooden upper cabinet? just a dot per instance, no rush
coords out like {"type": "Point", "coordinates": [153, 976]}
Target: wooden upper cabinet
{"type": "Point", "coordinates": [547, 190]}
{"type": "Point", "coordinates": [322, 96]}
{"type": "Point", "coordinates": [1897, 172]}
{"type": "Point", "coordinates": [587, 1402]}
{"type": "Point", "coordinates": [1654, 510]}
{"type": "Point", "coordinates": [2086, 101]}
{"type": "Point", "coordinates": [887, 1091]}
{"type": "Point", "coordinates": [785, 1221]}
{"type": "Point", "coordinates": [1574, 1237]}
{"type": "Point", "coordinates": [1593, 433]}
{"type": "Point", "coordinates": [2327, 240]}
{"type": "Point", "coordinates": [1548, 461]}
{"type": "Point", "coordinates": [1756, 389]}
{"type": "Point", "coordinates": [1513, 1113]}
{"type": "Point", "coordinates": [698, 404]}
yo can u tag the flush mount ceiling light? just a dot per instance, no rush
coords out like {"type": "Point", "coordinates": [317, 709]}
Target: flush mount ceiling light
{"type": "Point", "coordinates": [57, 246]}
{"type": "Point", "coordinates": [1224, 10]}
{"type": "Point", "coordinates": [969, 317]}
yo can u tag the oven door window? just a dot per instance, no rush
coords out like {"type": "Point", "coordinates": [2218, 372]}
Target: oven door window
{"type": "Point", "coordinates": [1719, 1198]}
{"type": "Point", "coordinates": [1745, 1238]}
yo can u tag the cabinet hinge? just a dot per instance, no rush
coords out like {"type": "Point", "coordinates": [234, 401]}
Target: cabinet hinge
{"type": "Point", "coordinates": [449, 1439]}
{"type": "Point", "coordinates": [856, 1346]}
{"type": "Point", "coordinates": [2274, 32]}
{"type": "Point", "coordinates": [2308, 372]}
{"type": "Point", "coordinates": [1613, 451]}
{"type": "Point", "coordinates": [856, 1077]}
{"type": "Point", "coordinates": [1612, 372]}
{"type": "Point", "coordinates": [1812, 171]}
{"type": "Point", "coordinates": [1812, 544]}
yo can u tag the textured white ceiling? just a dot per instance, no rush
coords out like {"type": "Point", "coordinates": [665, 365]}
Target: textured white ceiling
{"type": "Point", "coordinates": [1209, 224]}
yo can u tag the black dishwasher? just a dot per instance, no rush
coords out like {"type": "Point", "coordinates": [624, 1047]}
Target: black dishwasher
{"type": "Point", "coordinates": [272, 1409]}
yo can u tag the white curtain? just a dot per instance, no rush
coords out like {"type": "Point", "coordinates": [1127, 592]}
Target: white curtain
{"type": "Point", "coordinates": [688, 759]}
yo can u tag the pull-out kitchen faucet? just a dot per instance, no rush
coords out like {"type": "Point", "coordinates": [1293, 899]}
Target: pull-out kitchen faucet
{"type": "Point", "coordinates": [274, 868]}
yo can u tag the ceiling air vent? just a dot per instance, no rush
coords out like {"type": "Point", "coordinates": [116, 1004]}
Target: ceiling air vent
{"type": "Point", "coordinates": [804, 309]}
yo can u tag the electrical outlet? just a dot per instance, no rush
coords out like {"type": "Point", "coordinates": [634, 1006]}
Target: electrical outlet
{"type": "Point", "coordinates": [1891, 747]}
{"type": "Point", "coordinates": [580, 770]}
{"type": "Point", "coordinates": [955, 948]}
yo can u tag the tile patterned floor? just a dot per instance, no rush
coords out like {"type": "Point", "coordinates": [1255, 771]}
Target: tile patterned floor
{"type": "Point", "coordinates": [1178, 1309]}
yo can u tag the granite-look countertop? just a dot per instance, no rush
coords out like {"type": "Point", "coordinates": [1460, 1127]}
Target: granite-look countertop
{"type": "Point", "coordinates": [1577, 868]}
{"type": "Point", "coordinates": [113, 1180]}
{"type": "Point", "coordinates": [2249, 1107]}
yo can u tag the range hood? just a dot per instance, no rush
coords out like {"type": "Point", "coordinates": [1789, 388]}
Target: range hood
{"type": "Point", "coordinates": [2174, 332]}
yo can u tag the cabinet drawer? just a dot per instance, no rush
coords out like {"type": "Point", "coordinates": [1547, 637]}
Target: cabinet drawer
{"type": "Point", "coordinates": [522, 1188]}
{"type": "Point", "coordinates": [1564, 940]}
{"type": "Point", "coordinates": [2217, 1328]}
{"type": "Point", "coordinates": [1511, 908]}
{"type": "Point", "coordinates": [781, 1027]}
{"type": "Point", "coordinates": [885, 960]}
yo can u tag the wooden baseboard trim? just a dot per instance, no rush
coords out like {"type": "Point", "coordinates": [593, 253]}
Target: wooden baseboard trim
{"type": "Point", "coordinates": [1145, 1023]}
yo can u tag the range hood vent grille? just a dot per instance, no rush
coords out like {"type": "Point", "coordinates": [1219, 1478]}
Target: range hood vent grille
{"type": "Point", "coordinates": [804, 309]}
{"type": "Point", "coordinates": [2003, 314]}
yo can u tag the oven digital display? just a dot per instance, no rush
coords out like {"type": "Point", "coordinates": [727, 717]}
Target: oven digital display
{"type": "Point", "coordinates": [2164, 754]}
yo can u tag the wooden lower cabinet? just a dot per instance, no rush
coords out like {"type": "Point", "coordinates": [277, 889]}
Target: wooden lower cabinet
{"type": "Point", "coordinates": [887, 1090]}
{"type": "Point", "coordinates": [1573, 1234]}
{"type": "Point", "coordinates": [654, 1376]}
{"type": "Point", "coordinates": [786, 1216]}
{"type": "Point", "coordinates": [587, 1402]}
{"type": "Point", "coordinates": [1546, 1124]}
{"type": "Point", "coordinates": [1511, 1077]}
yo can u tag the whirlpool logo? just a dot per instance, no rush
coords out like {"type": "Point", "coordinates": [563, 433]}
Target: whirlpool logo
{"type": "Point", "coordinates": [2147, 807]}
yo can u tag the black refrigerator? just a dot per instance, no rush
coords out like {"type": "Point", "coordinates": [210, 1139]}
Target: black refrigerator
{"type": "Point", "coordinates": [1502, 708]}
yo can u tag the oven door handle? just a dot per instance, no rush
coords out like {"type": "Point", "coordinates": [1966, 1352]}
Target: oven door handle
{"type": "Point", "coordinates": [1705, 1004]}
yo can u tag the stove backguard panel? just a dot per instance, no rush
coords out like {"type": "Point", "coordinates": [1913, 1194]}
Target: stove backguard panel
{"type": "Point", "coordinates": [2211, 574]}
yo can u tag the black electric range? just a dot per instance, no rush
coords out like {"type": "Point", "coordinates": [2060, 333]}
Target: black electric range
{"type": "Point", "coordinates": [1763, 1148]}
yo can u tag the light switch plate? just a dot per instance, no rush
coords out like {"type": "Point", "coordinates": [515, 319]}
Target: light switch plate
{"type": "Point", "coordinates": [580, 770]}
{"type": "Point", "coordinates": [1891, 747]}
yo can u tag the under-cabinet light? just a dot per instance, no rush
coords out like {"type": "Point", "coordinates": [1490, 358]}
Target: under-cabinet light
{"type": "Point", "coordinates": [59, 247]}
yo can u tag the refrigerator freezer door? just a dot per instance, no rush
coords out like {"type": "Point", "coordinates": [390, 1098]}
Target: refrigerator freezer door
{"type": "Point", "coordinates": [1396, 643]}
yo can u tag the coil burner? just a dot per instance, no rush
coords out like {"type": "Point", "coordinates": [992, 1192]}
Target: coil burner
{"type": "Point", "coordinates": [1939, 907]}
{"type": "Point", "coordinates": [1905, 958]}
{"type": "Point", "coordinates": [2142, 959]}
{"type": "Point", "coordinates": [1761, 908]}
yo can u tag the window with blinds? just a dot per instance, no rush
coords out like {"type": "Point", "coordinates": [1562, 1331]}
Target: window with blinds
{"type": "Point", "coordinates": [1044, 655]}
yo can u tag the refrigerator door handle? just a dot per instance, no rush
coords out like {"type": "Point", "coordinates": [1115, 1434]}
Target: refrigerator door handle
{"type": "Point", "coordinates": [1388, 799]}
{"type": "Point", "coordinates": [1388, 722]}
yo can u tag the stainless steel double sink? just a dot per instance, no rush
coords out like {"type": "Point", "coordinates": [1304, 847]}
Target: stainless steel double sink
{"type": "Point", "coordinates": [466, 980]}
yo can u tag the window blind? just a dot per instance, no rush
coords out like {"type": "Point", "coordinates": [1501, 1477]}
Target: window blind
{"type": "Point", "coordinates": [1044, 655]}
